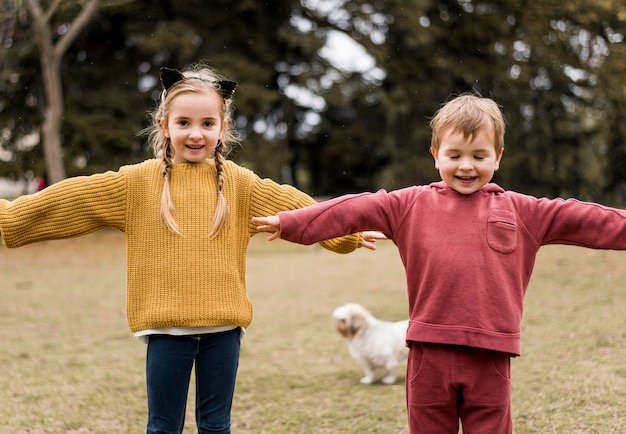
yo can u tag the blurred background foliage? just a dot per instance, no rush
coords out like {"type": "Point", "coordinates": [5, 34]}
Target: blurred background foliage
{"type": "Point", "coordinates": [335, 95]}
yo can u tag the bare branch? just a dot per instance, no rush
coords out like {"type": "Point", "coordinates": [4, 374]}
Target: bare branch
{"type": "Point", "coordinates": [42, 30]}
{"type": "Point", "coordinates": [77, 26]}
{"type": "Point", "coordinates": [116, 3]}
{"type": "Point", "coordinates": [35, 10]}
{"type": "Point", "coordinates": [52, 10]}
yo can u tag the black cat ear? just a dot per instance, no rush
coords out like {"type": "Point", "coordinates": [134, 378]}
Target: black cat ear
{"type": "Point", "coordinates": [226, 88]}
{"type": "Point", "coordinates": [169, 77]}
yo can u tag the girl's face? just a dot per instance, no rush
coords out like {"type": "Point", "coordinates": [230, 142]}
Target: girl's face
{"type": "Point", "coordinates": [194, 125]}
{"type": "Point", "coordinates": [466, 164]}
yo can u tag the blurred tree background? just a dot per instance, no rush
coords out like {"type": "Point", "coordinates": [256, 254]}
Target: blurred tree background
{"type": "Point", "coordinates": [335, 95]}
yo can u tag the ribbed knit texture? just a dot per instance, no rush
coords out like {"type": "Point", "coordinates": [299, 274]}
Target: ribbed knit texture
{"type": "Point", "coordinates": [173, 280]}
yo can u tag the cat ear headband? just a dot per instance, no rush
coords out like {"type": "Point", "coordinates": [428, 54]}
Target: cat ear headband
{"type": "Point", "coordinates": [169, 77]}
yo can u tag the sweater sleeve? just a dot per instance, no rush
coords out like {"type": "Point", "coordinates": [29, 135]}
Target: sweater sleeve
{"type": "Point", "coordinates": [70, 208]}
{"type": "Point", "coordinates": [572, 222]}
{"type": "Point", "coordinates": [342, 215]}
{"type": "Point", "coordinates": [270, 198]}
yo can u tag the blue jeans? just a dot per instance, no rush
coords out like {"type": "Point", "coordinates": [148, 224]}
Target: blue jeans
{"type": "Point", "coordinates": [169, 363]}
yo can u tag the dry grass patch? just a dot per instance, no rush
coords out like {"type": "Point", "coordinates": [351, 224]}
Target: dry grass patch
{"type": "Point", "coordinates": [69, 365]}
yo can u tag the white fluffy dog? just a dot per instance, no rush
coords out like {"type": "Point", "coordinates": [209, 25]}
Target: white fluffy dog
{"type": "Point", "coordinates": [378, 346]}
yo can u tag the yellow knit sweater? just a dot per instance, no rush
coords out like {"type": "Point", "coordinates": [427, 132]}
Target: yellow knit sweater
{"type": "Point", "coordinates": [173, 280]}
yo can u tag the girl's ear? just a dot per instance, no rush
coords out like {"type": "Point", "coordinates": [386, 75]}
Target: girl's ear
{"type": "Point", "coordinates": [224, 125]}
{"type": "Point", "coordinates": [163, 124]}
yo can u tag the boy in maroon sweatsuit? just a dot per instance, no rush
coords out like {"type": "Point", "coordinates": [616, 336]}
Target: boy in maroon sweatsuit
{"type": "Point", "coordinates": [468, 248]}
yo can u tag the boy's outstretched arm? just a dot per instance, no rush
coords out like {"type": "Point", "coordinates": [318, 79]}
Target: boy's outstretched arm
{"type": "Point", "coordinates": [272, 224]}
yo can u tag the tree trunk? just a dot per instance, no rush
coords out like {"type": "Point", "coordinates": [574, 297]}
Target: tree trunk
{"type": "Point", "coordinates": [50, 55]}
{"type": "Point", "coordinates": [53, 116]}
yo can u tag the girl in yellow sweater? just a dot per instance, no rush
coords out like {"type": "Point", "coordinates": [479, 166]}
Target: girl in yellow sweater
{"type": "Point", "coordinates": [187, 219]}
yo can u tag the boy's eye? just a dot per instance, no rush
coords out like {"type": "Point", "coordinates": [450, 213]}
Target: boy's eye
{"type": "Point", "coordinates": [479, 157]}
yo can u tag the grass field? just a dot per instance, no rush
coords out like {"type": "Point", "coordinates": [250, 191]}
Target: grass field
{"type": "Point", "coordinates": [68, 363]}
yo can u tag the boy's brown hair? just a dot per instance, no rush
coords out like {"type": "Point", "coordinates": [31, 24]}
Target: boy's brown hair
{"type": "Point", "coordinates": [469, 113]}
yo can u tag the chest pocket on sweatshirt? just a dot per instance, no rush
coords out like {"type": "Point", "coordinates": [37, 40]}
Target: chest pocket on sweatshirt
{"type": "Point", "coordinates": [502, 230]}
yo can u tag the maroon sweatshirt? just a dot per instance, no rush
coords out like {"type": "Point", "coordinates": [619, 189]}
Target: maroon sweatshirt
{"type": "Point", "coordinates": [468, 258]}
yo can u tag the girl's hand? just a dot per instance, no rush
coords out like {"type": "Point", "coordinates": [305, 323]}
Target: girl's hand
{"type": "Point", "coordinates": [370, 237]}
{"type": "Point", "coordinates": [272, 224]}
{"type": "Point", "coordinates": [268, 224]}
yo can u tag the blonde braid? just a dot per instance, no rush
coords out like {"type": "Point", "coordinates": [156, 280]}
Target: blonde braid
{"type": "Point", "coordinates": [221, 208]}
{"type": "Point", "coordinates": [167, 204]}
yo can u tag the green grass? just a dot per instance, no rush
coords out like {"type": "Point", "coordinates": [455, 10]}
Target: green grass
{"type": "Point", "coordinates": [68, 363]}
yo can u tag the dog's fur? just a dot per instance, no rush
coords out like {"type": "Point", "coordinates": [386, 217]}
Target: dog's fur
{"type": "Point", "coordinates": [378, 346]}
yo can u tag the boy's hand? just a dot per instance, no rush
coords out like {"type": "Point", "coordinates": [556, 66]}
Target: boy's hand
{"type": "Point", "coordinates": [370, 237]}
{"type": "Point", "coordinates": [268, 224]}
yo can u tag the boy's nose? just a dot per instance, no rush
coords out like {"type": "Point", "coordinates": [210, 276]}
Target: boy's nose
{"type": "Point", "coordinates": [466, 165]}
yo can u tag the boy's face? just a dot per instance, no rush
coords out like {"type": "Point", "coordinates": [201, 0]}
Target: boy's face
{"type": "Point", "coordinates": [466, 164]}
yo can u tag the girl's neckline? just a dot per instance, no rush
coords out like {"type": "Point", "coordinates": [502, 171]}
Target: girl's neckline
{"type": "Point", "coordinates": [193, 165]}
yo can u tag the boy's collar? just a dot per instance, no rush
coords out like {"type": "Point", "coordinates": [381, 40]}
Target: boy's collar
{"type": "Point", "coordinates": [488, 188]}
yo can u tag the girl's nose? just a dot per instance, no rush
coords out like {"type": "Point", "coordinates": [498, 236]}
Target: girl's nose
{"type": "Point", "coordinates": [195, 133]}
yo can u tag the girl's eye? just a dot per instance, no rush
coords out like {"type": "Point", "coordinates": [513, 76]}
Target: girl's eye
{"type": "Point", "coordinates": [208, 124]}
{"type": "Point", "coordinates": [183, 123]}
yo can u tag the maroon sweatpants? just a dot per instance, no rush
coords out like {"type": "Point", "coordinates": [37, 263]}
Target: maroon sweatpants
{"type": "Point", "coordinates": [446, 384]}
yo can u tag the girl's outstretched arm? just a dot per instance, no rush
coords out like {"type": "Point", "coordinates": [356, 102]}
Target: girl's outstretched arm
{"type": "Point", "coordinates": [370, 238]}
{"type": "Point", "coordinates": [272, 224]}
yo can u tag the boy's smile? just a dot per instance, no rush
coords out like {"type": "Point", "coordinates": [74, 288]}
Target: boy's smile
{"type": "Point", "coordinates": [466, 164]}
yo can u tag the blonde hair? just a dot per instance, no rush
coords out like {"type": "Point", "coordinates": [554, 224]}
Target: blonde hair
{"type": "Point", "coordinates": [469, 113]}
{"type": "Point", "coordinates": [199, 78]}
